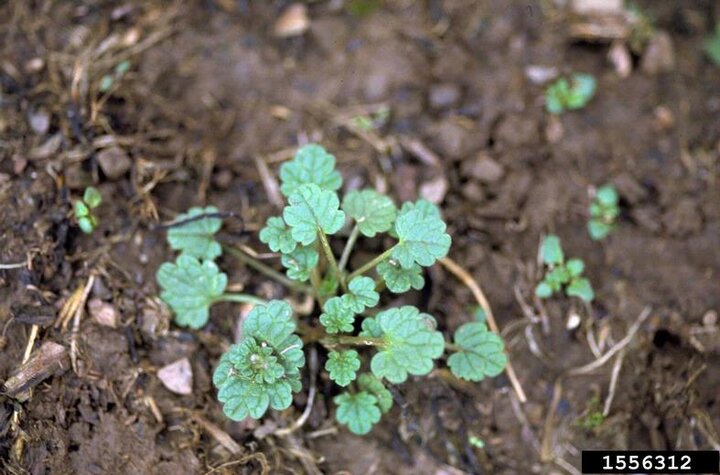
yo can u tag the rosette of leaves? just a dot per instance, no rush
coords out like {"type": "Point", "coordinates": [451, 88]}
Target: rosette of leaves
{"type": "Point", "coordinates": [562, 275]}
{"type": "Point", "coordinates": [83, 209]}
{"type": "Point", "coordinates": [604, 211]}
{"type": "Point", "coordinates": [570, 94]}
{"type": "Point", "coordinates": [263, 370]}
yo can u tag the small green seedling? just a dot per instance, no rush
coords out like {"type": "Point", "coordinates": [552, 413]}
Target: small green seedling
{"type": "Point", "coordinates": [604, 211]}
{"type": "Point", "coordinates": [83, 209]}
{"type": "Point", "coordinates": [561, 274]}
{"type": "Point", "coordinates": [108, 80]}
{"type": "Point", "coordinates": [570, 94]}
{"type": "Point", "coordinates": [712, 46]}
{"type": "Point", "coordinates": [367, 347]}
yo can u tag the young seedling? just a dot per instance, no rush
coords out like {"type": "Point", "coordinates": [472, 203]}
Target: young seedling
{"type": "Point", "coordinates": [570, 94]}
{"type": "Point", "coordinates": [83, 209]}
{"type": "Point", "coordinates": [604, 211]}
{"type": "Point", "coordinates": [561, 274]}
{"type": "Point", "coordinates": [367, 347]}
{"type": "Point", "coordinates": [712, 46]}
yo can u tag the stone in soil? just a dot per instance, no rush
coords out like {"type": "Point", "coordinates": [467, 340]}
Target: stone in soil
{"type": "Point", "coordinates": [177, 377]}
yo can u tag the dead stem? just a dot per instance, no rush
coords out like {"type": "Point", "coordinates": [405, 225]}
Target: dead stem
{"type": "Point", "coordinates": [546, 452]}
{"type": "Point", "coordinates": [614, 377]}
{"type": "Point", "coordinates": [313, 367]}
{"type": "Point", "coordinates": [477, 292]}
{"type": "Point", "coordinates": [76, 322]}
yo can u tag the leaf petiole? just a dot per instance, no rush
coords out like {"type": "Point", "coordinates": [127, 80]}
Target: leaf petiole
{"type": "Point", "coordinates": [335, 340]}
{"type": "Point", "coordinates": [327, 250]}
{"type": "Point", "coordinates": [267, 270]}
{"type": "Point", "coordinates": [348, 247]}
{"type": "Point", "coordinates": [240, 298]}
{"type": "Point", "coordinates": [369, 265]}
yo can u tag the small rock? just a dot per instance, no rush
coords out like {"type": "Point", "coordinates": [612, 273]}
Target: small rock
{"type": "Point", "coordinates": [34, 65]}
{"type": "Point", "coordinates": [659, 55]}
{"type": "Point", "coordinates": [443, 96]}
{"type": "Point", "coordinates": [538, 74]}
{"type": "Point", "coordinates": [177, 377]}
{"type": "Point", "coordinates": [19, 164]}
{"type": "Point", "coordinates": [39, 121]}
{"type": "Point", "coordinates": [683, 218]}
{"type": "Point", "coordinates": [585, 7]}
{"type": "Point", "coordinates": [663, 117]}
{"type": "Point", "coordinates": [619, 57]}
{"type": "Point", "coordinates": [483, 168]}
{"type": "Point", "coordinates": [114, 162]}
{"type": "Point", "coordinates": [710, 318]}
{"type": "Point", "coordinates": [293, 21]}
{"type": "Point", "coordinates": [434, 190]}
{"type": "Point", "coordinates": [103, 313]}
{"type": "Point", "coordinates": [47, 148]}
{"type": "Point", "coordinates": [404, 182]}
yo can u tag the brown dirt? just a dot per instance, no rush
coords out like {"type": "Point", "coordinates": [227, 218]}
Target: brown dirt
{"type": "Point", "coordinates": [210, 89]}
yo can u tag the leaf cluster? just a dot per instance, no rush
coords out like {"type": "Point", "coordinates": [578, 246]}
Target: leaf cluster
{"type": "Point", "coordinates": [561, 274]}
{"type": "Point", "coordinates": [367, 347]}
{"type": "Point", "coordinates": [570, 94]}
{"type": "Point", "coordinates": [604, 211]}
{"type": "Point", "coordinates": [83, 209]}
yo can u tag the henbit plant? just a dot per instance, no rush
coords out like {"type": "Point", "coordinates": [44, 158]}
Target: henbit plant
{"type": "Point", "coordinates": [561, 274]}
{"type": "Point", "coordinates": [367, 347]}
{"type": "Point", "coordinates": [83, 209]}
{"type": "Point", "coordinates": [712, 46]}
{"type": "Point", "coordinates": [570, 94]}
{"type": "Point", "coordinates": [604, 211]}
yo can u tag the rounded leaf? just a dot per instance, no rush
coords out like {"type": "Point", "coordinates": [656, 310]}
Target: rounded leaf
{"type": "Point", "coordinates": [312, 209]}
{"type": "Point", "coordinates": [480, 353]}
{"type": "Point", "coordinates": [359, 412]}
{"type": "Point", "coordinates": [312, 164]}
{"type": "Point", "coordinates": [277, 236]}
{"type": "Point", "coordinates": [196, 238]}
{"type": "Point", "coordinates": [422, 237]}
{"type": "Point", "coordinates": [399, 279]}
{"type": "Point", "coordinates": [342, 366]}
{"type": "Point", "coordinates": [373, 212]}
{"type": "Point", "coordinates": [361, 294]}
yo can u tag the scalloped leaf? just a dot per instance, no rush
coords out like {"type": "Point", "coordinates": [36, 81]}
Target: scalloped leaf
{"type": "Point", "coordinates": [312, 164]}
{"type": "Point", "coordinates": [361, 294]}
{"type": "Point", "coordinates": [409, 346]}
{"type": "Point", "coordinates": [581, 288]}
{"type": "Point", "coordinates": [373, 212]}
{"type": "Point", "coordinates": [481, 353]}
{"type": "Point", "coordinates": [196, 238]}
{"type": "Point", "coordinates": [277, 236]}
{"type": "Point", "coordinates": [189, 287]}
{"type": "Point", "coordinates": [423, 239]}
{"type": "Point", "coordinates": [337, 317]}
{"type": "Point", "coordinates": [359, 411]}
{"type": "Point", "coordinates": [342, 366]}
{"type": "Point", "coordinates": [399, 279]}
{"type": "Point", "coordinates": [370, 383]}
{"type": "Point", "coordinates": [312, 209]}
{"type": "Point", "coordinates": [300, 262]}
{"type": "Point", "coordinates": [263, 370]}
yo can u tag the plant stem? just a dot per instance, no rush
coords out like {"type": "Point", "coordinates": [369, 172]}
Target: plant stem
{"type": "Point", "coordinates": [267, 270]}
{"type": "Point", "coordinates": [316, 285]}
{"type": "Point", "coordinates": [348, 247]}
{"type": "Point", "coordinates": [369, 265]}
{"type": "Point", "coordinates": [240, 298]}
{"type": "Point", "coordinates": [335, 340]}
{"type": "Point", "coordinates": [327, 250]}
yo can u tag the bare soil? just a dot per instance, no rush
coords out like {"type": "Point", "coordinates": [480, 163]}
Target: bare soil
{"type": "Point", "coordinates": [211, 92]}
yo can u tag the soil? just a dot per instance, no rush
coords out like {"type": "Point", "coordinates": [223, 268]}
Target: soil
{"type": "Point", "coordinates": [211, 92]}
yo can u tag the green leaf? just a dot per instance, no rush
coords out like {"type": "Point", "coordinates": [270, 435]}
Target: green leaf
{"type": "Point", "coordinates": [409, 346]}
{"type": "Point", "coordinates": [189, 288]}
{"type": "Point", "coordinates": [359, 411]}
{"type": "Point", "coordinates": [81, 210]}
{"type": "Point", "coordinates": [712, 46]}
{"type": "Point", "coordinates": [337, 317]}
{"type": "Point", "coordinates": [361, 294]}
{"type": "Point", "coordinates": [555, 96]}
{"type": "Point", "coordinates": [312, 164]}
{"type": "Point", "coordinates": [607, 196]}
{"type": "Point", "coordinates": [370, 383]}
{"type": "Point", "coordinates": [313, 209]}
{"type": "Point", "coordinates": [374, 213]}
{"type": "Point", "coordinates": [575, 267]}
{"type": "Point", "coordinates": [342, 366]}
{"type": "Point", "coordinates": [196, 238]}
{"type": "Point", "coordinates": [263, 370]}
{"type": "Point", "coordinates": [551, 252]}
{"type": "Point", "coordinates": [422, 237]}
{"type": "Point", "coordinates": [92, 197]}
{"type": "Point", "coordinates": [598, 229]}
{"type": "Point", "coordinates": [277, 236]}
{"type": "Point", "coordinates": [481, 353]}
{"type": "Point", "coordinates": [300, 262]}
{"type": "Point", "coordinates": [557, 277]}
{"type": "Point", "coordinates": [582, 289]}
{"type": "Point", "coordinates": [87, 224]}
{"type": "Point", "coordinates": [398, 279]}
{"type": "Point", "coordinates": [543, 290]}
